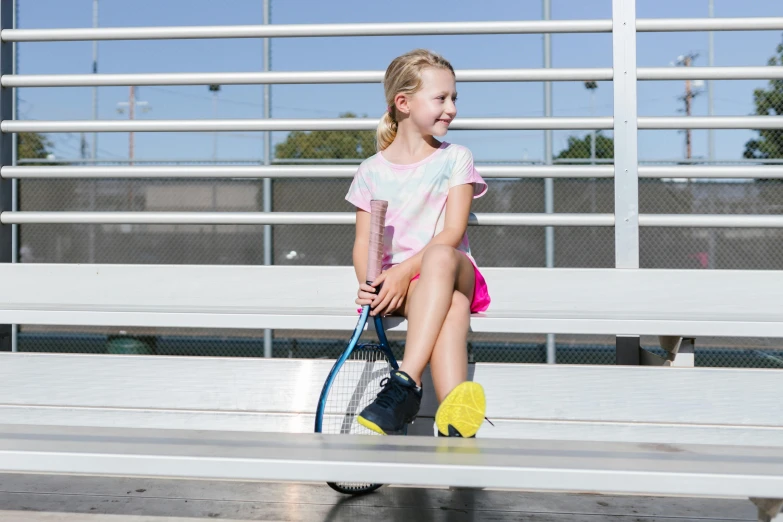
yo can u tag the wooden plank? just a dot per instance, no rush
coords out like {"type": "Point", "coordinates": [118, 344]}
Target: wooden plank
{"type": "Point", "coordinates": [735, 397]}
{"type": "Point", "coordinates": [665, 469]}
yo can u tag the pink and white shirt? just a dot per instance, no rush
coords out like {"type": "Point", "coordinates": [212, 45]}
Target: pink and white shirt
{"type": "Point", "coordinates": [417, 197]}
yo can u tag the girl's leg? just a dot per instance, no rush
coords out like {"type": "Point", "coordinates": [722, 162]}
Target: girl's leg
{"type": "Point", "coordinates": [428, 307]}
{"type": "Point", "coordinates": [449, 362]}
{"type": "Point", "coordinates": [438, 312]}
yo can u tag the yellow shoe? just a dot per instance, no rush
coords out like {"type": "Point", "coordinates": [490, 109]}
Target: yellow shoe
{"type": "Point", "coordinates": [461, 413]}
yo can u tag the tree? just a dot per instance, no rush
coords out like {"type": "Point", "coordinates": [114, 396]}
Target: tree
{"type": "Point", "coordinates": [32, 145]}
{"type": "Point", "coordinates": [769, 102]}
{"type": "Point", "coordinates": [580, 148]}
{"type": "Point", "coordinates": [327, 144]}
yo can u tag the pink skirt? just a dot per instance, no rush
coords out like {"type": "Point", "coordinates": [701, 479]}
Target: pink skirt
{"type": "Point", "coordinates": [480, 301]}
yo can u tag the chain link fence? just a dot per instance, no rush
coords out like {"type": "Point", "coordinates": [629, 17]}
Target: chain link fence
{"type": "Point", "coordinates": [493, 246]}
{"type": "Point", "coordinates": [331, 245]}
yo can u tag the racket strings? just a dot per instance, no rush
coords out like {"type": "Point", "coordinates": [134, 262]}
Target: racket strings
{"type": "Point", "coordinates": [354, 388]}
{"type": "Point", "coordinates": [356, 385]}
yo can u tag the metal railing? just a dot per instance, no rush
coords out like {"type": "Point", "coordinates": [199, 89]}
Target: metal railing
{"type": "Point", "coordinates": [348, 171]}
{"type": "Point", "coordinates": [625, 169]}
{"type": "Point", "coordinates": [330, 77]}
{"type": "Point", "coordinates": [345, 124]}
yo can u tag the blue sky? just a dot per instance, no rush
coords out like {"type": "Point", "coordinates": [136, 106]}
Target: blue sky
{"type": "Point", "coordinates": [309, 54]}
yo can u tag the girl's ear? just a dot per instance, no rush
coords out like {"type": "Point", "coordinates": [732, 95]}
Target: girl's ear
{"type": "Point", "coordinates": [401, 103]}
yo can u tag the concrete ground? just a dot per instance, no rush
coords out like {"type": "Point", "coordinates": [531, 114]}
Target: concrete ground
{"type": "Point", "coordinates": [39, 498]}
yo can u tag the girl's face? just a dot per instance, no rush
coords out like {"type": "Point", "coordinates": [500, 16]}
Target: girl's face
{"type": "Point", "coordinates": [432, 107]}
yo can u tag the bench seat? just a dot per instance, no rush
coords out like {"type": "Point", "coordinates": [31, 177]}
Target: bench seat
{"type": "Point", "coordinates": [719, 406]}
{"type": "Point", "coordinates": [685, 303]}
{"type": "Point", "coordinates": [598, 467]}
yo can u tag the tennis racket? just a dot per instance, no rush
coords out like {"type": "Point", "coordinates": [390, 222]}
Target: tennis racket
{"type": "Point", "coordinates": [354, 380]}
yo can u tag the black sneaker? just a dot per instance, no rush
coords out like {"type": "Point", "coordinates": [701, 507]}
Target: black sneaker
{"type": "Point", "coordinates": [397, 404]}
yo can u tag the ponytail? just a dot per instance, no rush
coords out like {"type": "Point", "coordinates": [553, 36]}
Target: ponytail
{"type": "Point", "coordinates": [387, 130]}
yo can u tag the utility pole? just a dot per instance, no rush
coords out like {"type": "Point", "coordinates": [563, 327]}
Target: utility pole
{"type": "Point", "coordinates": [131, 116]}
{"type": "Point", "coordinates": [131, 105]}
{"type": "Point", "coordinates": [93, 183]}
{"type": "Point", "coordinates": [592, 86]}
{"type": "Point", "coordinates": [214, 89]}
{"type": "Point", "coordinates": [710, 92]}
{"type": "Point", "coordinates": [95, 71]}
{"type": "Point", "coordinates": [687, 98]}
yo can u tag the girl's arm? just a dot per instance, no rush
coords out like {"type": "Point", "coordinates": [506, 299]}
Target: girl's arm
{"type": "Point", "coordinates": [361, 244]}
{"type": "Point", "coordinates": [456, 223]}
{"type": "Point", "coordinates": [397, 278]}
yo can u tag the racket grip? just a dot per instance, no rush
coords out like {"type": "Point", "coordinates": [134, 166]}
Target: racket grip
{"type": "Point", "coordinates": [377, 226]}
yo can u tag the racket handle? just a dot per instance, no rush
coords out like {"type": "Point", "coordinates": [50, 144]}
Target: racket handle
{"type": "Point", "coordinates": [377, 226]}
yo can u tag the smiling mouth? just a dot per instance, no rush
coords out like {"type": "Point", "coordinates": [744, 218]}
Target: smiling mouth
{"type": "Point", "coordinates": [444, 121]}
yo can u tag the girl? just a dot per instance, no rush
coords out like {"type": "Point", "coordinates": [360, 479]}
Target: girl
{"type": "Point", "coordinates": [429, 274]}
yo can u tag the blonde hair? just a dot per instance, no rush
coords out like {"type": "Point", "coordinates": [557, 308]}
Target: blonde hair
{"type": "Point", "coordinates": [404, 76]}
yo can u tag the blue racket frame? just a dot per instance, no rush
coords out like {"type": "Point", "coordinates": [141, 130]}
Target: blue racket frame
{"type": "Point", "coordinates": [352, 345]}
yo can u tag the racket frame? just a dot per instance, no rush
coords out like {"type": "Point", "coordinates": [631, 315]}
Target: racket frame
{"type": "Point", "coordinates": [384, 344]}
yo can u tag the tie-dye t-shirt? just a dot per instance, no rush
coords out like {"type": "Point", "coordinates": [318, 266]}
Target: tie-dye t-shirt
{"type": "Point", "coordinates": [417, 197]}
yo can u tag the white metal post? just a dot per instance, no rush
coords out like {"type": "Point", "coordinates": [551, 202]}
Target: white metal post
{"type": "Point", "coordinates": [7, 189]}
{"type": "Point", "coordinates": [549, 184]}
{"type": "Point", "coordinates": [267, 185]}
{"type": "Point", "coordinates": [94, 155]}
{"type": "Point", "coordinates": [626, 178]}
{"type": "Point", "coordinates": [15, 182]}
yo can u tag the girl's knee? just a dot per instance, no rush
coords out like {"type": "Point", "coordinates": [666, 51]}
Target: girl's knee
{"type": "Point", "coordinates": [440, 256]}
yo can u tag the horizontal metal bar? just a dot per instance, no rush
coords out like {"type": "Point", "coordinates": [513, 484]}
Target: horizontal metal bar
{"type": "Point", "coordinates": [302, 124]}
{"type": "Point", "coordinates": [337, 218]}
{"type": "Point", "coordinates": [325, 77]}
{"type": "Point", "coordinates": [256, 172]}
{"type": "Point", "coordinates": [162, 161]}
{"type": "Point", "coordinates": [387, 29]}
{"type": "Point", "coordinates": [711, 122]}
{"type": "Point", "coordinates": [188, 172]}
{"type": "Point", "coordinates": [707, 161]}
{"type": "Point", "coordinates": [646, 25]}
{"type": "Point", "coordinates": [348, 218]}
{"type": "Point", "coordinates": [291, 77]}
{"type": "Point", "coordinates": [278, 218]}
{"type": "Point", "coordinates": [708, 73]}
{"type": "Point", "coordinates": [710, 221]}
{"type": "Point", "coordinates": [347, 171]}
{"type": "Point", "coordinates": [659, 161]}
{"type": "Point", "coordinates": [645, 122]}
{"type": "Point", "coordinates": [600, 467]}
{"type": "Point", "coordinates": [712, 171]}
{"type": "Point", "coordinates": [307, 30]}
{"type": "Point", "coordinates": [357, 161]}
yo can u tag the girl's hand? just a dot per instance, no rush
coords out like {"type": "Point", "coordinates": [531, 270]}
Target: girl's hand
{"type": "Point", "coordinates": [396, 281]}
{"type": "Point", "coordinates": [365, 295]}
